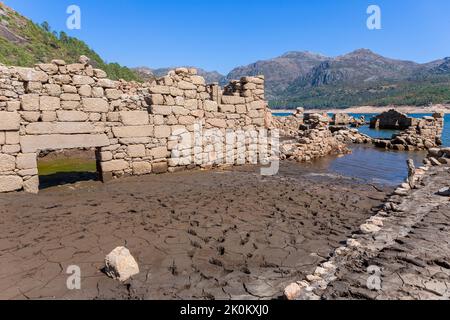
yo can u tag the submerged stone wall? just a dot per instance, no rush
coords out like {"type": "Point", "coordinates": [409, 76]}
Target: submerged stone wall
{"type": "Point", "coordinates": [423, 134]}
{"type": "Point", "coordinates": [135, 127]}
{"type": "Point", "coordinates": [306, 137]}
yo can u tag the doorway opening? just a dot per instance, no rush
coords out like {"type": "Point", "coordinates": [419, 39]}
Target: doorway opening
{"type": "Point", "coordinates": [67, 166]}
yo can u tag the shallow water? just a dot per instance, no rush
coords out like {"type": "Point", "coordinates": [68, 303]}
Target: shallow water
{"type": "Point", "coordinates": [371, 165]}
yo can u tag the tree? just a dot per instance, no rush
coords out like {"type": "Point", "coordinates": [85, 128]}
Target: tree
{"type": "Point", "coordinates": [46, 26]}
{"type": "Point", "coordinates": [63, 37]}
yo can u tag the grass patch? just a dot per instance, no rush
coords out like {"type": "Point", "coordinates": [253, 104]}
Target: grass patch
{"type": "Point", "coordinates": [49, 167]}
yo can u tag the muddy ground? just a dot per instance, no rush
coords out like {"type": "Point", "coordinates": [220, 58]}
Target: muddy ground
{"type": "Point", "coordinates": [225, 234]}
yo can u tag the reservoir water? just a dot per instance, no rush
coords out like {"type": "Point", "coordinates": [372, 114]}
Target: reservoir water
{"type": "Point", "coordinates": [372, 165]}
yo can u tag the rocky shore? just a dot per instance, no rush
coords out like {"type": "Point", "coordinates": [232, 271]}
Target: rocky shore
{"type": "Point", "coordinates": [399, 253]}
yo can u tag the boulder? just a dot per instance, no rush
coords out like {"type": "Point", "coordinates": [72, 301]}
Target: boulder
{"type": "Point", "coordinates": [120, 264]}
{"type": "Point", "coordinates": [445, 192]}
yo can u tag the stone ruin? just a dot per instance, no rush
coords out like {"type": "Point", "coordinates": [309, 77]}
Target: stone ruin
{"type": "Point", "coordinates": [417, 134]}
{"type": "Point", "coordinates": [307, 136]}
{"type": "Point", "coordinates": [392, 120]}
{"type": "Point", "coordinates": [57, 106]}
{"type": "Point", "coordinates": [438, 157]}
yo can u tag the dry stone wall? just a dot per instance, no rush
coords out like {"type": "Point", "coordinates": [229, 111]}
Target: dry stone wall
{"type": "Point", "coordinates": [135, 128]}
{"type": "Point", "coordinates": [306, 137]}
{"type": "Point", "coordinates": [423, 134]}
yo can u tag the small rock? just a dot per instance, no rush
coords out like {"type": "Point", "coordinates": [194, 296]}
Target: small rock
{"type": "Point", "coordinates": [341, 251]}
{"type": "Point", "coordinates": [369, 228]}
{"type": "Point", "coordinates": [329, 265]}
{"type": "Point", "coordinates": [445, 192]}
{"type": "Point", "coordinates": [405, 186]}
{"type": "Point", "coordinates": [353, 243]}
{"type": "Point", "coordinates": [84, 60]}
{"type": "Point", "coordinates": [120, 264]}
{"type": "Point", "coordinates": [292, 291]}
{"type": "Point", "coordinates": [320, 271]}
{"type": "Point", "coordinates": [313, 278]}
{"type": "Point", "coordinates": [434, 162]}
{"type": "Point", "coordinates": [378, 221]}
{"type": "Point", "coordinates": [435, 152]}
{"type": "Point", "coordinates": [401, 192]}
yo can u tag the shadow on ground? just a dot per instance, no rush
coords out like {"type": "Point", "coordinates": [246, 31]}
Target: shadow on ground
{"type": "Point", "coordinates": [62, 178]}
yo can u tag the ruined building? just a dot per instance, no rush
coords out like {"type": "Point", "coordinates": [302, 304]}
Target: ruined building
{"type": "Point", "coordinates": [66, 106]}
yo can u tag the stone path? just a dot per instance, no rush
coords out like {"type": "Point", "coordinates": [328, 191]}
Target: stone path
{"type": "Point", "coordinates": [412, 251]}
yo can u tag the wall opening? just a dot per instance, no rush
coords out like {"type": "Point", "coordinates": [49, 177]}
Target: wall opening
{"type": "Point", "coordinates": [67, 167]}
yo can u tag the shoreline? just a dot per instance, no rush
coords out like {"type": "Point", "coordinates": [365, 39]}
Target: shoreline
{"type": "Point", "coordinates": [375, 110]}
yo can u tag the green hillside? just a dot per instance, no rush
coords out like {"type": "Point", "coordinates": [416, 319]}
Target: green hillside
{"type": "Point", "coordinates": [24, 43]}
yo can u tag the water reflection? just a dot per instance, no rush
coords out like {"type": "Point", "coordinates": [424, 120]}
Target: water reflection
{"type": "Point", "coordinates": [371, 165]}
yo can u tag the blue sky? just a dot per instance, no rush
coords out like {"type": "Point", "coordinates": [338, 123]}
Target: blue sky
{"type": "Point", "coordinates": [220, 35]}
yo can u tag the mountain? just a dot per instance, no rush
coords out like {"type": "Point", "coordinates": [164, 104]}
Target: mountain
{"type": "Point", "coordinates": [280, 72]}
{"type": "Point", "coordinates": [355, 68]}
{"type": "Point", "coordinates": [363, 77]}
{"type": "Point", "coordinates": [148, 73]}
{"type": "Point", "coordinates": [24, 43]}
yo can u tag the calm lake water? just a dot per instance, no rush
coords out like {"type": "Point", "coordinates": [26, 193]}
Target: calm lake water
{"type": "Point", "coordinates": [373, 165]}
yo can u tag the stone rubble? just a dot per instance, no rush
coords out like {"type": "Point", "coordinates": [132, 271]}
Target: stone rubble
{"type": "Point", "coordinates": [418, 134]}
{"type": "Point", "coordinates": [438, 157]}
{"type": "Point", "coordinates": [306, 137]}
